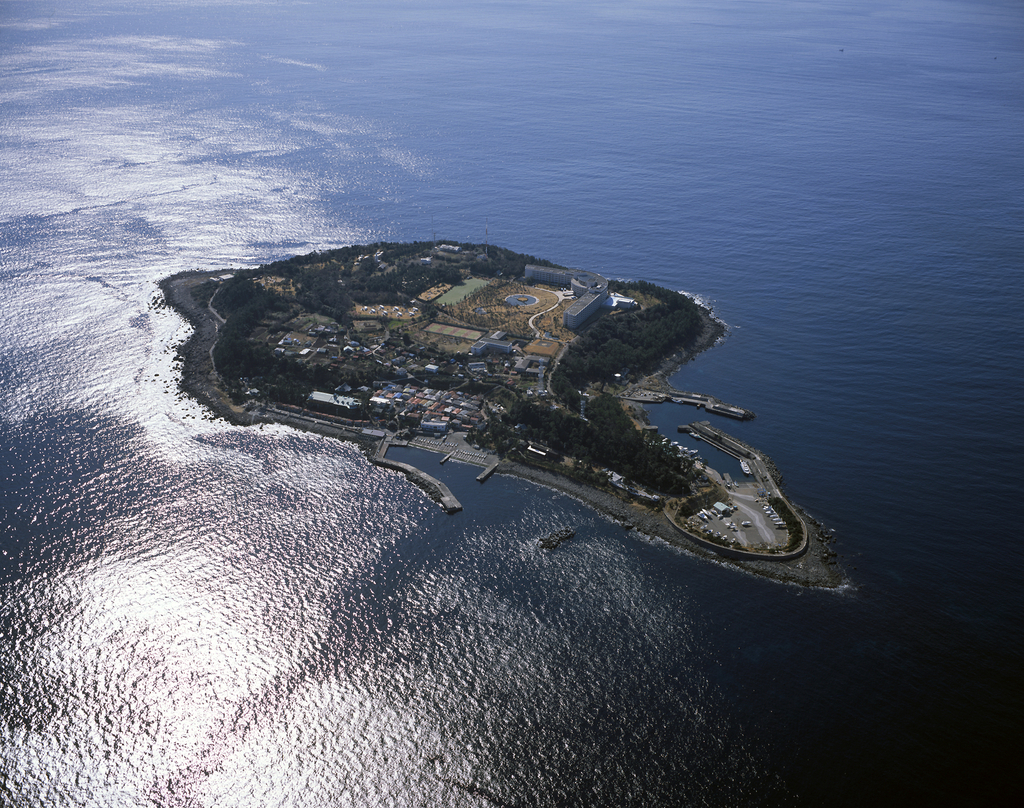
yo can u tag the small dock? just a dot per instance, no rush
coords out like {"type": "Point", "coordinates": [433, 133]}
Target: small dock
{"type": "Point", "coordinates": [709, 403]}
{"type": "Point", "coordinates": [434, 487]}
{"type": "Point", "coordinates": [715, 406]}
{"type": "Point", "coordinates": [765, 474]}
{"type": "Point", "coordinates": [720, 440]}
{"type": "Point", "coordinates": [483, 476]}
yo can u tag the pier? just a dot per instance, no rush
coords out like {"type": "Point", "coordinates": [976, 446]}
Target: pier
{"type": "Point", "coordinates": [714, 405]}
{"type": "Point", "coordinates": [487, 472]}
{"type": "Point", "coordinates": [761, 465]}
{"type": "Point", "coordinates": [764, 472]}
{"type": "Point", "coordinates": [720, 440]}
{"type": "Point", "coordinates": [698, 400]}
{"type": "Point", "coordinates": [434, 487]}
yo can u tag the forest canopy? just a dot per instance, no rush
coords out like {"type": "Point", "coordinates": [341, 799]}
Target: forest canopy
{"type": "Point", "coordinates": [639, 340]}
{"type": "Point", "coordinates": [606, 438]}
{"type": "Point", "coordinates": [263, 306]}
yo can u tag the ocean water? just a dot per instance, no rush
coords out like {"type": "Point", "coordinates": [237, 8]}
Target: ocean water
{"type": "Point", "coordinates": [194, 614]}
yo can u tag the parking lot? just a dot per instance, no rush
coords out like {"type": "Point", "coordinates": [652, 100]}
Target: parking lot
{"type": "Point", "coordinates": [750, 501]}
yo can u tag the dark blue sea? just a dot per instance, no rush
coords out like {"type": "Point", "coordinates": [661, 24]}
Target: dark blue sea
{"type": "Point", "coordinates": [199, 615]}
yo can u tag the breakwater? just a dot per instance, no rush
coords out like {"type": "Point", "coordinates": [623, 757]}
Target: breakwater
{"type": "Point", "coordinates": [762, 467]}
{"type": "Point", "coordinates": [810, 567]}
{"type": "Point", "coordinates": [738, 554]}
{"type": "Point", "coordinates": [374, 441]}
{"type": "Point", "coordinates": [733, 446]}
{"type": "Point", "coordinates": [700, 400]}
{"type": "Point", "coordinates": [436, 489]}
{"type": "Point", "coordinates": [484, 475]}
{"type": "Point", "coordinates": [713, 405]}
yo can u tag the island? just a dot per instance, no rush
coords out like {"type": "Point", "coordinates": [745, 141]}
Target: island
{"type": "Point", "coordinates": [499, 359]}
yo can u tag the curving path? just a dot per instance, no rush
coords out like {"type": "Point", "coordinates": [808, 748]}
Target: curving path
{"type": "Point", "coordinates": [533, 328]}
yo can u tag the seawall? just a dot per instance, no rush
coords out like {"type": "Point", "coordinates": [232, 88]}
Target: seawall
{"type": "Point", "coordinates": [743, 555]}
{"type": "Point", "coordinates": [764, 471]}
{"type": "Point", "coordinates": [436, 489]}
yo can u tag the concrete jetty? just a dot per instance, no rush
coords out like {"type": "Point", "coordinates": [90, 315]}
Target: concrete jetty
{"type": "Point", "coordinates": [487, 472]}
{"type": "Point", "coordinates": [709, 403]}
{"type": "Point", "coordinates": [762, 468]}
{"type": "Point", "coordinates": [713, 405]}
{"type": "Point", "coordinates": [436, 489]}
{"type": "Point", "coordinates": [719, 439]}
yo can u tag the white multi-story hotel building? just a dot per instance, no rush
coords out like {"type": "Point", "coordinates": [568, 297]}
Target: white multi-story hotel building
{"type": "Point", "coordinates": [590, 290]}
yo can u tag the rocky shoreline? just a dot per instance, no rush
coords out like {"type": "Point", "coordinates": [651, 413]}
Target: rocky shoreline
{"type": "Point", "coordinates": [199, 380]}
{"type": "Point", "coordinates": [199, 377]}
{"type": "Point", "coordinates": [712, 332]}
{"type": "Point", "coordinates": [816, 568]}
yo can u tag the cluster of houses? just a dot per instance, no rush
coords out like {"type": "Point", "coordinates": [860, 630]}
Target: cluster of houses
{"type": "Point", "coordinates": [316, 340]}
{"type": "Point", "coordinates": [296, 346]}
{"type": "Point", "coordinates": [432, 411]}
{"type": "Point", "coordinates": [441, 248]}
{"type": "Point", "coordinates": [395, 312]}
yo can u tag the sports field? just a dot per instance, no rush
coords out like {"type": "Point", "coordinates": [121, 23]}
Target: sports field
{"type": "Point", "coordinates": [462, 291]}
{"type": "Point", "coordinates": [453, 331]}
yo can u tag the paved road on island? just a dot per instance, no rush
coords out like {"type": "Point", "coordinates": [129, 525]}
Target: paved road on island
{"type": "Point", "coordinates": [536, 332]}
{"type": "Point", "coordinates": [748, 509]}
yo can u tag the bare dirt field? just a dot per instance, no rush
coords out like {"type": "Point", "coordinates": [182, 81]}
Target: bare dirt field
{"type": "Point", "coordinates": [487, 309]}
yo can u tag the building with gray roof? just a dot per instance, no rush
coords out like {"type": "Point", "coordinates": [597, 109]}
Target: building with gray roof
{"type": "Point", "coordinates": [589, 288]}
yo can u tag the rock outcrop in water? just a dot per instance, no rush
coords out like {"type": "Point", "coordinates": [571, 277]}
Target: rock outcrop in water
{"type": "Point", "coordinates": [554, 539]}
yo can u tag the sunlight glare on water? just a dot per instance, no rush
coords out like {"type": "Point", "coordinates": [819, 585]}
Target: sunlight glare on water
{"type": "Point", "coordinates": [199, 614]}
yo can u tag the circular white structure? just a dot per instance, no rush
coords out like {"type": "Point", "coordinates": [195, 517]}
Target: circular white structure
{"type": "Point", "coordinates": [589, 289]}
{"type": "Point", "coordinates": [521, 300]}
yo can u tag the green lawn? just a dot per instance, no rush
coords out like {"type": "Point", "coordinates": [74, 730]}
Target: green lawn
{"type": "Point", "coordinates": [462, 291]}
